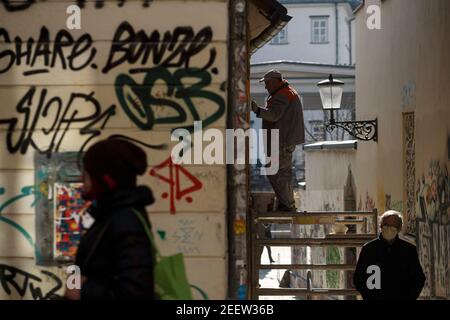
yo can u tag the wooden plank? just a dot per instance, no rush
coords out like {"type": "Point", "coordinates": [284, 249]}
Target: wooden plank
{"type": "Point", "coordinates": [209, 197]}
{"type": "Point", "coordinates": [304, 292]}
{"type": "Point", "coordinates": [187, 218]}
{"type": "Point", "coordinates": [210, 275]}
{"type": "Point", "coordinates": [102, 23]}
{"type": "Point", "coordinates": [142, 107]}
{"type": "Point", "coordinates": [17, 270]}
{"type": "Point", "coordinates": [95, 67]}
{"type": "Point", "coordinates": [350, 221]}
{"type": "Point", "coordinates": [275, 220]}
{"type": "Point", "coordinates": [351, 236]}
{"type": "Point", "coordinates": [17, 192]}
{"type": "Point", "coordinates": [314, 242]}
{"type": "Point", "coordinates": [17, 236]}
{"type": "Point", "coordinates": [318, 214]}
{"type": "Point", "coordinates": [310, 219]}
{"type": "Point", "coordinates": [337, 267]}
{"type": "Point", "coordinates": [60, 104]}
{"type": "Point", "coordinates": [35, 282]}
{"type": "Point", "coordinates": [194, 235]}
{"type": "Point", "coordinates": [17, 198]}
{"type": "Point", "coordinates": [21, 157]}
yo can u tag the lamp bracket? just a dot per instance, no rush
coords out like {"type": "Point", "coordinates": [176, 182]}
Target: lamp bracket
{"type": "Point", "coordinates": [362, 130]}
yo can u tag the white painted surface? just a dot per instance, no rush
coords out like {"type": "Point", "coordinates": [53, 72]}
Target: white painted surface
{"type": "Point", "coordinates": [299, 46]}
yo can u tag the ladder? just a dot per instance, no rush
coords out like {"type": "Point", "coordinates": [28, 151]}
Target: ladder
{"type": "Point", "coordinates": [306, 218]}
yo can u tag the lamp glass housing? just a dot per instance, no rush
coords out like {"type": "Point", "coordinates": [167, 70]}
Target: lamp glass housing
{"type": "Point", "coordinates": [331, 93]}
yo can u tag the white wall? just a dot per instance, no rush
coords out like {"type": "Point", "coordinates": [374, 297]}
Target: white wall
{"type": "Point", "coordinates": [299, 47]}
{"type": "Point", "coordinates": [403, 68]}
{"type": "Point", "coordinates": [345, 14]}
{"type": "Point", "coordinates": [354, 44]}
{"type": "Point", "coordinates": [326, 176]}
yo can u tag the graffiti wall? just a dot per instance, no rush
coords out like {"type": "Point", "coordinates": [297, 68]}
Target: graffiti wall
{"type": "Point", "coordinates": [410, 161]}
{"type": "Point", "coordinates": [433, 223]}
{"type": "Point", "coordinates": [117, 73]}
{"type": "Point", "coordinates": [22, 279]}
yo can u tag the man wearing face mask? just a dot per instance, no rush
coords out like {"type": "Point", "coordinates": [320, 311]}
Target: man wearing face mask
{"type": "Point", "coordinates": [400, 274]}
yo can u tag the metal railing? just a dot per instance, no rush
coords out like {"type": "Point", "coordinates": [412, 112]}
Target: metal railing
{"type": "Point", "coordinates": [307, 218]}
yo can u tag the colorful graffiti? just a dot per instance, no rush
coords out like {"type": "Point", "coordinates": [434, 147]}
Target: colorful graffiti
{"type": "Point", "coordinates": [239, 226]}
{"type": "Point", "coordinates": [137, 99]}
{"type": "Point", "coordinates": [333, 254]}
{"type": "Point", "coordinates": [409, 165]}
{"type": "Point", "coordinates": [176, 172]}
{"type": "Point", "coordinates": [433, 194]}
{"type": "Point", "coordinates": [393, 205]}
{"type": "Point", "coordinates": [369, 205]}
{"type": "Point", "coordinates": [158, 77]}
{"type": "Point", "coordinates": [69, 207]}
{"type": "Point", "coordinates": [25, 192]}
{"type": "Point", "coordinates": [333, 277]}
{"type": "Point", "coordinates": [174, 50]}
{"type": "Point", "coordinates": [162, 234]}
{"type": "Point", "coordinates": [237, 174]}
{"type": "Point", "coordinates": [433, 217]}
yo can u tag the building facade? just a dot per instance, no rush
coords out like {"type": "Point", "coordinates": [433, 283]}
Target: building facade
{"type": "Point", "coordinates": [402, 79]}
{"type": "Point", "coordinates": [318, 41]}
{"type": "Point", "coordinates": [321, 31]}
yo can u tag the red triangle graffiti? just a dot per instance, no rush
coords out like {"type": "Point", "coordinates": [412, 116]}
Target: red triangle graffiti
{"type": "Point", "coordinates": [176, 192]}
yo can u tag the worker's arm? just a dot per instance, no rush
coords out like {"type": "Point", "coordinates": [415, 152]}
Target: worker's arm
{"type": "Point", "coordinates": [275, 110]}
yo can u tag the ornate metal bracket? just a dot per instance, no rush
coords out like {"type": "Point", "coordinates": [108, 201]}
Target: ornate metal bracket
{"type": "Point", "coordinates": [361, 130]}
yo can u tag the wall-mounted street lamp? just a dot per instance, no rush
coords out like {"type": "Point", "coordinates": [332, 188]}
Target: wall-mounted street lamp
{"type": "Point", "coordinates": [331, 95]}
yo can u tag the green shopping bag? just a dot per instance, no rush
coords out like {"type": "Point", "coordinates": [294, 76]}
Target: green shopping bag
{"type": "Point", "coordinates": [171, 281]}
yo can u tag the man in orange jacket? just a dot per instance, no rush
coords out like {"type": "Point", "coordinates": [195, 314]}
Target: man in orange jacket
{"type": "Point", "coordinates": [283, 111]}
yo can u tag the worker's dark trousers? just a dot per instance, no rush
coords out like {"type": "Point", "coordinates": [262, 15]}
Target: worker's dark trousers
{"type": "Point", "coordinates": [282, 181]}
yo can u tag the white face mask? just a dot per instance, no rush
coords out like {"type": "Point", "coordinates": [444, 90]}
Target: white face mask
{"type": "Point", "coordinates": [389, 233]}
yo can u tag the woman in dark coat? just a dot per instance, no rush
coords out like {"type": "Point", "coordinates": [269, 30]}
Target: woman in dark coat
{"type": "Point", "coordinates": [115, 255]}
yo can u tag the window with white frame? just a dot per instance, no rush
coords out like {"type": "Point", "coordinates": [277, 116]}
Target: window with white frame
{"type": "Point", "coordinates": [281, 37]}
{"type": "Point", "coordinates": [319, 29]}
